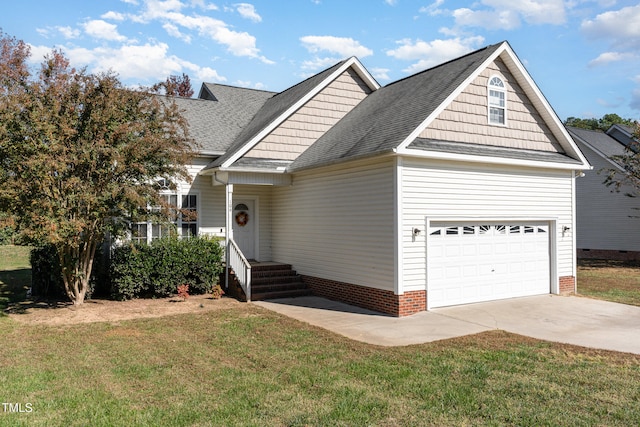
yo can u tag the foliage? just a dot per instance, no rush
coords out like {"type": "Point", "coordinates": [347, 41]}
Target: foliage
{"type": "Point", "coordinates": [175, 86]}
{"type": "Point", "coordinates": [630, 161]}
{"type": "Point", "coordinates": [183, 291]}
{"type": "Point", "coordinates": [46, 274]}
{"type": "Point", "coordinates": [78, 150]}
{"type": "Point", "coordinates": [217, 292]}
{"type": "Point", "coordinates": [603, 123]}
{"type": "Point", "coordinates": [156, 270]}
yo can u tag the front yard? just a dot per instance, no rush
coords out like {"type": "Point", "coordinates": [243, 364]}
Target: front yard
{"type": "Point", "coordinates": [242, 365]}
{"type": "Point", "coordinates": [615, 281]}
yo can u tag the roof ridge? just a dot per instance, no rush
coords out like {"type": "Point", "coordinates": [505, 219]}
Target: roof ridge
{"type": "Point", "coordinates": [446, 63]}
{"type": "Point", "coordinates": [239, 87]}
{"type": "Point", "coordinates": [336, 65]}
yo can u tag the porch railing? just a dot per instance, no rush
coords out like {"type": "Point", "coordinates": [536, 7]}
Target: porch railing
{"type": "Point", "coordinates": [241, 267]}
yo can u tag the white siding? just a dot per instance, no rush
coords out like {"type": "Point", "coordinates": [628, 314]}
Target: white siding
{"type": "Point", "coordinates": [435, 189]}
{"type": "Point", "coordinates": [337, 223]}
{"type": "Point", "coordinates": [211, 205]}
{"type": "Point", "coordinates": [606, 219]}
{"type": "Point", "coordinates": [262, 195]}
{"type": "Point", "coordinates": [466, 119]}
{"type": "Point", "coordinates": [210, 199]}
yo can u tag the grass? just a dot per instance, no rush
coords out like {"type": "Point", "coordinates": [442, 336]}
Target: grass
{"type": "Point", "coordinates": [252, 367]}
{"type": "Point", "coordinates": [616, 281]}
{"type": "Point", "coordinates": [15, 274]}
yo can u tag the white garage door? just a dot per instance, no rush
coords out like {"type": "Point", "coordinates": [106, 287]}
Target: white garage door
{"type": "Point", "coordinates": [474, 262]}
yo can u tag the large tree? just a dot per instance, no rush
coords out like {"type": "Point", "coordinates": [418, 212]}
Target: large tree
{"type": "Point", "coordinates": [603, 123]}
{"type": "Point", "coordinates": [79, 153]}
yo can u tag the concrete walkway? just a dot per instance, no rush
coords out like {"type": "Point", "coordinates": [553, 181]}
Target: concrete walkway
{"type": "Point", "coordinates": [571, 320]}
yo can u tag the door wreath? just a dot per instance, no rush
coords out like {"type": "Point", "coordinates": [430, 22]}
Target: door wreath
{"type": "Point", "coordinates": [242, 218]}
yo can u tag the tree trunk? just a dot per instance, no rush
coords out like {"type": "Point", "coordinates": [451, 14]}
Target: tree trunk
{"type": "Point", "coordinates": [77, 264]}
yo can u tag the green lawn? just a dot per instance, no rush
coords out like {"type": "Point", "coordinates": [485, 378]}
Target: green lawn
{"type": "Point", "coordinates": [615, 281]}
{"type": "Point", "coordinates": [252, 367]}
{"type": "Point", "coordinates": [15, 274]}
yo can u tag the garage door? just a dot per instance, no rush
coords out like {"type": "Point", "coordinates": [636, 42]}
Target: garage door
{"type": "Point", "coordinates": [474, 262]}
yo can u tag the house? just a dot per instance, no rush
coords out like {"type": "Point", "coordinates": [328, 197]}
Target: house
{"type": "Point", "coordinates": [607, 221]}
{"type": "Point", "coordinates": [452, 186]}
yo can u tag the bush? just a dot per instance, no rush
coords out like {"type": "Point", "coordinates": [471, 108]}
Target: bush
{"type": "Point", "coordinates": [158, 269]}
{"type": "Point", "coordinates": [46, 275]}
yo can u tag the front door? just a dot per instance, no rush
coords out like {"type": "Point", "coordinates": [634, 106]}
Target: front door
{"type": "Point", "coordinates": [244, 226]}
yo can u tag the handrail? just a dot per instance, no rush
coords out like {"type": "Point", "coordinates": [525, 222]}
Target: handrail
{"type": "Point", "coordinates": [241, 267]}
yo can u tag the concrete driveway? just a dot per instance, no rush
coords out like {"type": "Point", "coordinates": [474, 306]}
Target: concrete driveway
{"type": "Point", "coordinates": [571, 320]}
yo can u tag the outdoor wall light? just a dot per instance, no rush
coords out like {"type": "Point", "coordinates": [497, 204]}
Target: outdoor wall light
{"type": "Point", "coordinates": [416, 232]}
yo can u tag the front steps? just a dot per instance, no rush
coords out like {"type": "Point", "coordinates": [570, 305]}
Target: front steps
{"type": "Point", "coordinates": [270, 280]}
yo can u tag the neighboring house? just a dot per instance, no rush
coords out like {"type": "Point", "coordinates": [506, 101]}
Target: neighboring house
{"type": "Point", "coordinates": [452, 186]}
{"type": "Point", "coordinates": [608, 222]}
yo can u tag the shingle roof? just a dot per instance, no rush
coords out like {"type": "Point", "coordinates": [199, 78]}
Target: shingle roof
{"type": "Point", "coordinates": [273, 108]}
{"type": "Point", "coordinates": [600, 141]}
{"type": "Point", "coordinates": [383, 120]}
{"type": "Point", "coordinates": [493, 151]}
{"type": "Point", "coordinates": [215, 124]}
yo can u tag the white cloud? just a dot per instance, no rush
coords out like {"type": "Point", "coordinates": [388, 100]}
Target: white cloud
{"type": "Point", "coordinates": [343, 46]}
{"type": "Point", "coordinates": [103, 30]}
{"type": "Point", "coordinates": [434, 52]}
{"type": "Point", "coordinates": [620, 27]}
{"type": "Point", "coordinates": [489, 19]}
{"type": "Point", "coordinates": [207, 74]}
{"type": "Point", "coordinates": [433, 9]}
{"type": "Point", "coordinates": [391, 2]}
{"type": "Point", "coordinates": [145, 63]}
{"type": "Point", "coordinates": [174, 31]}
{"type": "Point", "coordinates": [38, 53]}
{"type": "Point", "coordinates": [319, 63]}
{"type": "Point", "coordinates": [609, 57]}
{"type": "Point", "coordinates": [248, 11]}
{"type": "Point", "coordinates": [506, 14]}
{"type": "Point", "coordinates": [380, 73]}
{"type": "Point", "coordinates": [68, 32]}
{"type": "Point", "coordinates": [168, 12]}
{"type": "Point", "coordinates": [114, 16]}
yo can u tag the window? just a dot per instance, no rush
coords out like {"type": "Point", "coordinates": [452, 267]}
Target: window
{"type": "Point", "coordinates": [183, 218]}
{"type": "Point", "coordinates": [189, 217]}
{"type": "Point", "coordinates": [497, 101]}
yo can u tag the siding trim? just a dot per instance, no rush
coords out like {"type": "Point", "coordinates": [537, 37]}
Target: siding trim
{"type": "Point", "coordinates": [439, 155]}
{"type": "Point", "coordinates": [398, 226]}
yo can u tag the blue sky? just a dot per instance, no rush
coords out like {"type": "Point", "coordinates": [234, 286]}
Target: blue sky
{"type": "Point", "coordinates": [584, 55]}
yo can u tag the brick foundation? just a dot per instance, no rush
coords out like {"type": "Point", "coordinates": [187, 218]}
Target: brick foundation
{"type": "Point", "coordinates": [567, 285]}
{"type": "Point", "coordinates": [608, 254]}
{"type": "Point", "coordinates": [370, 298]}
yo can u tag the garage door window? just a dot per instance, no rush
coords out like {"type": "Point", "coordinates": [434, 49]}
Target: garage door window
{"type": "Point", "coordinates": [473, 262]}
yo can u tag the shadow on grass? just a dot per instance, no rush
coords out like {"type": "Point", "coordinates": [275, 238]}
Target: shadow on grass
{"type": "Point", "coordinates": [14, 286]}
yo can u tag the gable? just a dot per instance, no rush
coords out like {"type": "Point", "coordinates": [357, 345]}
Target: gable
{"type": "Point", "coordinates": [313, 119]}
{"type": "Point", "coordinates": [465, 119]}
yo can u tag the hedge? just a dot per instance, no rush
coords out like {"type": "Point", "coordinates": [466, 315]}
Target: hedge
{"type": "Point", "coordinates": [156, 270]}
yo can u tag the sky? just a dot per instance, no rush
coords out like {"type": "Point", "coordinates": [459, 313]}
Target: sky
{"type": "Point", "coordinates": [583, 55]}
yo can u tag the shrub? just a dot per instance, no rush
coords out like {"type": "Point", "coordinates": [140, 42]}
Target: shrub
{"type": "Point", "coordinates": [46, 275]}
{"type": "Point", "coordinates": [157, 270]}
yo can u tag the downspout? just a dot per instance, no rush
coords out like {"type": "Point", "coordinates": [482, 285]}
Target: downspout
{"type": "Point", "coordinates": [227, 226]}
